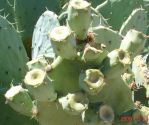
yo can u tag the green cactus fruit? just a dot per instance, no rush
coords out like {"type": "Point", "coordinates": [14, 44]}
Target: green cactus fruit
{"type": "Point", "coordinates": [74, 103]}
{"type": "Point", "coordinates": [117, 61]}
{"type": "Point", "coordinates": [91, 81]}
{"type": "Point", "coordinates": [112, 11]}
{"type": "Point", "coordinates": [112, 93]}
{"type": "Point", "coordinates": [133, 42]}
{"type": "Point", "coordinates": [137, 20]}
{"type": "Point", "coordinates": [40, 85]}
{"type": "Point", "coordinates": [79, 17]}
{"type": "Point", "coordinates": [13, 66]}
{"type": "Point", "coordinates": [48, 110]}
{"type": "Point", "coordinates": [41, 44]}
{"type": "Point", "coordinates": [70, 69]}
{"type": "Point", "coordinates": [38, 63]}
{"type": "Point", "coordinates": [63, 42]}
{"type": "Point", "coordinates": [19, 99]}
{"type": "Point", "coordinates": [107, 36]}
{"type": "Point", "coordinates": [94, 53]}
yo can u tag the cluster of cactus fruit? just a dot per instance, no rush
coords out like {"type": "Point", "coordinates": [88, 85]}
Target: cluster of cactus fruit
{"type": "Point", "coordinates": [83, 72]}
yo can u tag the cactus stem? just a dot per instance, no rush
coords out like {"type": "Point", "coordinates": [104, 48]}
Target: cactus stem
{"type": "Point", "coordinates": [19, 100]}
{"type": "Point", "coordinates": [63, 42]}
{"type": "Point", "coordinates": [92, 81]}
{"type": "Point", "coordinates": [79, 11]}
{"type": "Point", "coordinates": [40, 86]}
{"type": "Point", "coordinates": [35, 77]}
{"type": "Point", "coordinates": [74, 103]}
{"type": "Point", "coordinates": [94, 53]}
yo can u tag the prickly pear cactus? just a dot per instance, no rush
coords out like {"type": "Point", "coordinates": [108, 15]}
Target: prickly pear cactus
{"type": "Point", "coordinates": [40, 42]}
{"type": "Point", "coordinates": [107, 36]}
{"type": "Point", "coordinates": [137, 20]}
{"type": "Point", "coordinates": [113, 11]}
{"type": "Point", "coordinates": [24, 15]}
{"type": "Point", "coordinates": [27, 14]}
{"type": "Point", "coordinates": [84, 83]}
{"type": "Point", "coordinates": [13, 68]}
